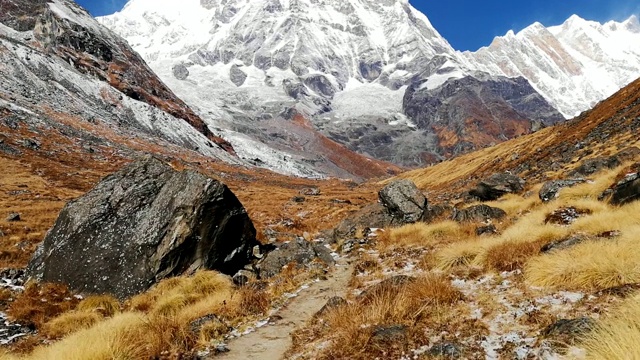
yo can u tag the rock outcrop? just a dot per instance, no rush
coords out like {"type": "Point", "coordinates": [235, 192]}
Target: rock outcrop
{"type": "Point", "coordinates": [550, 189]}
{"type": "Point", "coordinates": [475, 111]}
{"type": "Point", "coordinates": [625, 191]}
{"type": "Point", "coordinates": [142, 224]}
{"type": "Point", "coordinates": [298, 251]}
{"type": "Point", "coordinates": [404, 201]}
{"type": "Point", "coordinates": [496, 186]}
{"type": "Point", "coordinates": [478, 213]}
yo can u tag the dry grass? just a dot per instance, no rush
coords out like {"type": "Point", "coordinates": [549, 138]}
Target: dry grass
{"type": "Point", "coordinates": [155, 323]}
{"type": "Point", "coordinates": [106, 305]}
{"type": "Point", "coordinates": [350, 326]}
{"type": "Point", "coordinates": [617, 336]}
{"type": "Point", "coordinates": [510, 256]}
{"type": "Point", "coordinates": [593, 265]}
{"type": "Point", "coordinates": [39, 303]}
{"type": "Point", "coordinates": [70, 322]}
{"type": "Point", "coordinates": [421, 234]}
{"type": "Point", "coordinates": [592, 189]}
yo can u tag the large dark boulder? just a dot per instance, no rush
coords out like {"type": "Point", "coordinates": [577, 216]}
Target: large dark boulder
{"type": "Point", "coordinates": [496, 186]}
{"type": "Point", "coordinates": [142, 224]}
{"type": "Point", "coordinates": [404, 201]}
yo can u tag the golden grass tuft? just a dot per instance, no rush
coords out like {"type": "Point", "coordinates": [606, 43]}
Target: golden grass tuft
{"type": "Point", "coordinates": [422, 234]}
{"type": "Point", "coordinates": [617, 336]}
{"type": "Point", "coordinates": [106, 305]}
{"type": "Point", "coordinates": [592, 265]}
{"type": "Point", "coordinates": [512, 255]}
{"type": "Point", "coordinates": [70, 322]}
{"type": "Point", "coordinates": [350, 325]}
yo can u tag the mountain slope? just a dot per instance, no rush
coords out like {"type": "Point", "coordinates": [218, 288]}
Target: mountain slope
{"type": "Point", "coordinates": [344, 64]}
{"type": "Point", "coordinates": [573, 65]}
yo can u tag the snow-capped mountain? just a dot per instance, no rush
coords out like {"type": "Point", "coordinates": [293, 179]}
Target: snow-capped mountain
{"type": "Point", "coordinates": [356, 70]}
{"type": "Point", "coordinates": [249, 66]}
{"type": "Point", "coordinates": [573, 65]}
{"type": "Point", "coordinates": [60, 69]}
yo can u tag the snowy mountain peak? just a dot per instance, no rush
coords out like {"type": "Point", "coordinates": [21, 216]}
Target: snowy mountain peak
{"type": "Point", "coordinates": [573, 65]}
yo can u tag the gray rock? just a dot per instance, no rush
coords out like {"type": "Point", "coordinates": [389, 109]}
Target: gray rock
{"type": "Point", "coordinates": [446, 350]}
{"type": "Point", "coordinates": [550, 189]}
{"type": "Point", "coordinates": [566, 243]}
{"type": "Point", "coordinates": [592, 166]}
{"type": "Point", "coordinates": [565, 215]}
{"type": "Point", "coordinates": [404, 201]}
{"type": "Point", "coordinates": [371, 216]}
{"type": "Point", "coordinates": [142, 224]}
{"type": "Point", "coordinates": [498, 185]}
{"type": "Point", "coordinates": [486, 230]}
{"type": "Point", "coordinates": [13, 217]}
{"type": "Point", "coordinates": [180, 71]}
{"type": "Point", "coordinates": [298, 251]}
{"type": "Point", "coordinates": [567, 331]}
{"type": "Point", "coordinates": [321, 85]}
{"type": "Point", "coordinates": [387, 337]}
{"type": "Point", "coordinates": [332, 304]}
{"type": "Point", "coordinates": [625, 191]}
{"type": "Point", "coordinates": [237, 76]}
{"type": "Point", "coordinates": [478, 213]}
{"type": "Point", "coordinates": [31, 144]}
{"type": "Point", "coordinates": [312, 191]}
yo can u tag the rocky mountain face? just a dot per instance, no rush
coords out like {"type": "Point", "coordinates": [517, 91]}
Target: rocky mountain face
{"type": "Point", "coordinates": [345, 66]}
{"type": "Point", "coordinates": [573, 65]}
{"type": "Point", "coordinates": [348, 66]}
{"type": "Point", "coordinates": [63, 70]}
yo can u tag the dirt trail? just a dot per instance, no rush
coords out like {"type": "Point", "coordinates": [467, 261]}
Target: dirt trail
{"type": "Point", "coordinates": [271, 341]}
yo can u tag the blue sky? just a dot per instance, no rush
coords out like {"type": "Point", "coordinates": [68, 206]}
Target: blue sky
{"type": "Point", "coordinates": [470, 24]}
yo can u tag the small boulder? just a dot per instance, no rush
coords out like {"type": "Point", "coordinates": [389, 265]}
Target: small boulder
{"type": "Point", "coordinates": [142, 224]}
{"type": "Point", "coordinates": [13, 217]}
{"type": "Point", "coordinates": [242, 277]}
{"type": "Point", "coordinates": [625, 191]}
{"type": "Point", "coordinates": [566, 243]}
{"type": "Point", "coordinates": [567, 331]}
{"type": "Point", "coordinates": [371, 216]}
{"type": "Point", "coordinates": [566, 216]}
{"type": "Point", "coordinates": [298, 199]}
{"type": "Point", "coordinates": [550, 189]}
{"type": "Point", "coordinates": [498, 185]}
{"type": "Point", "coordinates": [404, 201]}
{"type": "Point", "coordinates": [478, 213]}
{"type": "Point", "coordinates": [388, 338]}
{"type": "Point", "coordinates": [592, 166]}
{"type": "Point", "coordinates": [446, 350]}
{"type": "Point", "coordinates": [312, 191]}
{"type": "Point", "coordinates": [298, 251]}
{"type": "Point", "coordinates": [486, 230]}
